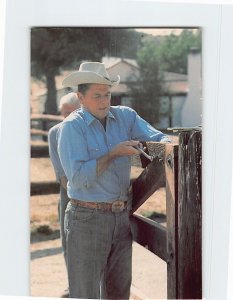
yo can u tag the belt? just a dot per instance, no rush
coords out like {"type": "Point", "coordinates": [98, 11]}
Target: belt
{"type": "Point", "coordinates": [116, 206]}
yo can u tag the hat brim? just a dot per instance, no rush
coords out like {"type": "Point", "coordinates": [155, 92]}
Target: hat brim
{"type": "Point", "coordinates": [86, 77]}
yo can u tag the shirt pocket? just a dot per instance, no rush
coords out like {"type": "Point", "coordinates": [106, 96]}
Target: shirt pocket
{"type": "Point", "coordinates": [96, 144]}
{"type": "Point", "coordinates": [124, 133]}
{"type": "Point", "coordinates": [93, 150]}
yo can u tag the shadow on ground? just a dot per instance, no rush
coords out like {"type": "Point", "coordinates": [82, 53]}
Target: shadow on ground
{"type": "Point", "coordinates": [45, 252]}
{"type": "Point", "coordinates": [38, 236]}
{"type": "Point", "coordinates": [157, 217]}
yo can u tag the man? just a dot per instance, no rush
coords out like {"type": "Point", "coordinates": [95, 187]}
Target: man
{"type": "Point", "coordinates": [95, 144]}
{"type": "Point", "coordinates": [68, 104]}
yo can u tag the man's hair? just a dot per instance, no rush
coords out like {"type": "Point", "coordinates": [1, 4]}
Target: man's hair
{"type": "Point", "coordinates": [70, 98]}
{"type": "Point", "coordinates": [82, 88]}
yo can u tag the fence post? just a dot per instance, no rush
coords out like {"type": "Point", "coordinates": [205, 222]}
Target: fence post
{"type": "Point", "coordinates": [171, 170]}
{"type": "Point", "coordinates": [189, 273]}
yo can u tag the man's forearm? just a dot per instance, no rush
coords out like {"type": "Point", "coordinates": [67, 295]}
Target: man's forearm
{"type": "Point", "coordinates": [122, 149]}
{"type": "Point", "coordinates": [103, 162]}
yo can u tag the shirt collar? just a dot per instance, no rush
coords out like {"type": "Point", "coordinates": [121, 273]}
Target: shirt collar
{"type": "Point", "coordinates": [89, 118]}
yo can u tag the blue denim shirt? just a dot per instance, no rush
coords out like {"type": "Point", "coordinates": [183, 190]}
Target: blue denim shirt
{"type": "Point", "coordinates": [82, 140]}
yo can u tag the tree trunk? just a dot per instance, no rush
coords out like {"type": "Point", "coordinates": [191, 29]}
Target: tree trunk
{"type": "Point", "coordinates": [51, 101]}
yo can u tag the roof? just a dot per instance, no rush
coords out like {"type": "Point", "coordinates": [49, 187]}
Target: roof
{"type": "Point", "coordinates": [170, 76]}
{"type": "Point", "coordinates": [119, 89]}
{"type": "Point", "coordinates": [112, 61]}
{"type": "Point", "coordinates": [175, 83]}
{"type": "Point", "coordinates": [176, 87]}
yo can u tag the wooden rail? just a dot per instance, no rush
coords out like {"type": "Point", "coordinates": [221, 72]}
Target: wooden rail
{"type": "Point", "coordinates": [47, 118]}
{"type": "Point", "coordinates": [179, 244]}
{"type": "Point", "coordinates": [43, 123]}
{"type": "Point", "coordinates": [39, 150]}
{"type": "Point", "coordinates": [38, 132]}
{"type": "Point", "coordinates": [45, 188]}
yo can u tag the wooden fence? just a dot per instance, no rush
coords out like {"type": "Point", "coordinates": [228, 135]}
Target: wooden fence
{"type": "Point", "coordinates": [179, 243]}
{"type": "Point", "coordinates": [40, 124]}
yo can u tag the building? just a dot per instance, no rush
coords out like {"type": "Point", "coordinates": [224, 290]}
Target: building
{"type": "Point", "coordinates": [129, 73]}
{"type": "Point", "coordinates": [192, 108]}
{"type": "Point", "coordinates": [175, 85]}
{"type": "Point", "coordinates": [180, 106]}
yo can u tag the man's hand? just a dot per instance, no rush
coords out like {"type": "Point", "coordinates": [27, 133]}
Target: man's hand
{"type": "Point", "coordinates": [122, 149]}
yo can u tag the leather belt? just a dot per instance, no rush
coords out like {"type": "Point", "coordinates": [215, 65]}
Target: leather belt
{"type": "Point", "coordinates": [116, 206]}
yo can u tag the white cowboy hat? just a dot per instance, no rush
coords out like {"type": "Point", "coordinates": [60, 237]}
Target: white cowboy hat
{"type": "Point", "coordinates": [90, 72]}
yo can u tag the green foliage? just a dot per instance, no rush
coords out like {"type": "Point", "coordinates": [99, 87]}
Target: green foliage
{"type": "Point", "coordinates": [59, 48]}
{"type": "Point", "coordinates": [54, 49]}
{"type": "Point", "coordinates": [159, 54]}
{"type": "Point", "coordinates": [173, 51]}
{"type": "Point", "coordinates": [122, 42]}
{"type": "Point", "coordinates": [147, 91]}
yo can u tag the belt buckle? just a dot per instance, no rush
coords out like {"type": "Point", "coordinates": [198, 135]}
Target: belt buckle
{"type": "Point", "coordinates": [118, 206]}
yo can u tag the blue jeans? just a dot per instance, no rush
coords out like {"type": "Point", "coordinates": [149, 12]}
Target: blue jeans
{"type": "Point", "coordinates": [99, 253]}
{"type": "Point", "coordinates": [62, 204]}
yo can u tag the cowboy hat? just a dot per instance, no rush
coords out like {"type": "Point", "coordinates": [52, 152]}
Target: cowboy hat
{"type": "Point", "coordinates": [89, 72]}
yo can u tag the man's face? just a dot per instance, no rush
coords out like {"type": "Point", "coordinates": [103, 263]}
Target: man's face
{"type": "Point", "coordinates": [67, 108]}
{"type": "Point", "coordinates": [96, 100]}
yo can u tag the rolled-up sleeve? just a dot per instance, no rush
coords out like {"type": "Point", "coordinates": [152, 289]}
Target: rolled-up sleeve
{"type": "Point", "coordinates": [143, 131]}
{"type": "Point", "coordinates": [72, 149]}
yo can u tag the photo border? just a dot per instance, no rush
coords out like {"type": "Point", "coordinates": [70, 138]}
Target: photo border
{"type": "Point", "coordinates": [216, 22]}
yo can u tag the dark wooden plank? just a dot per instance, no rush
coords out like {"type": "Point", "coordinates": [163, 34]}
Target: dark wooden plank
{"type": "Point", "coordinates": [38, 132]}
{"type": "Point", "coordinates": [39, 151]}
{"type": "Point", "coordinates": [152, 178]}
{"type": "Point", "coordinates": [189, 217]}
{"type": "Point", "coordinates": [149, 234]}
{"type": "Point", "coordinates": [45, 188]}
{"type": "Point", "coordinates": [171, 170]}
{"type": "Point", "coordinates": [43, 117]}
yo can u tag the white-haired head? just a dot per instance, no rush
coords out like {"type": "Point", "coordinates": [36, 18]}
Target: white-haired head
{"type": "Point", "coordinates": [68, 103]}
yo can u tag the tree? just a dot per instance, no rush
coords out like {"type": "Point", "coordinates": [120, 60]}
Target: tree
{"type": "Point", "coordinates": [157, 55]}
{"type": "Point", "coordinates": [123, 42]}
{"type": "Point", "coordinates": [148, 89]}
{"type": "Point", "coordinates": [54, 49]}
{"type": "Point", "coordinates": [172, 52]}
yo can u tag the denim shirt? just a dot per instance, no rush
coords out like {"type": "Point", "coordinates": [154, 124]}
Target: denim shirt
{"type": "Point", "coordinates": [82, 139]}
{"type": "Point", "coordinates": [52, 140]}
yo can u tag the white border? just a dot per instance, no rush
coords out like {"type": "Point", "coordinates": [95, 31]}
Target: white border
{"type": "Point", "coordinates": [230, 260]}
{"type": "Point", "coordinates": [2, 37]}
{"type": "Point", "coordinates": [217, 22]}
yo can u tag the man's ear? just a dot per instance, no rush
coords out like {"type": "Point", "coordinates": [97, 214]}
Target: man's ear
{"type": "Point", "coordinates": [80, 97]}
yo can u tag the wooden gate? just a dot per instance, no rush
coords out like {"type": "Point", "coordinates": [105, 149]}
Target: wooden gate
{"type": "Point", "coordinates": [178, 168]}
